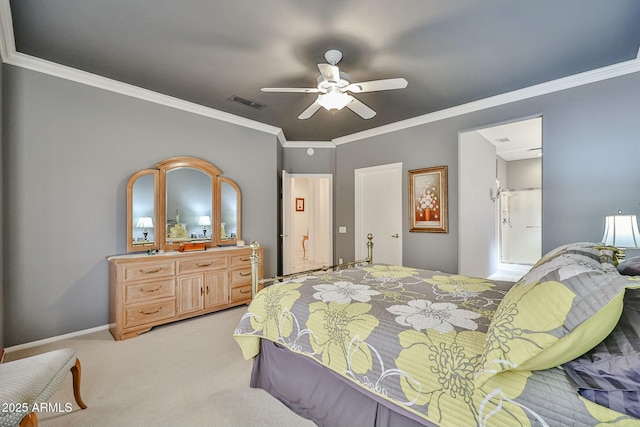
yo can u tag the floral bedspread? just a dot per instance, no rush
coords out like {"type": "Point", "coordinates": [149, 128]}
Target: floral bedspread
{"type": "Point", "coordinates": [415, 338]}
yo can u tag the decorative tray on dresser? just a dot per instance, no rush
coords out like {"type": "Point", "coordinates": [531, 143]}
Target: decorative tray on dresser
{"type": "Point", "coordinates": [151, 290]}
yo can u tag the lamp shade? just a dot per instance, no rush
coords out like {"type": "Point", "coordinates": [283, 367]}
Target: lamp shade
{"type": "Point", "coordinates": [621, 231]}
{"type": "Point", "coordinates": [145, 222]}
{"type": "Point", "coordinates": [204, 220]}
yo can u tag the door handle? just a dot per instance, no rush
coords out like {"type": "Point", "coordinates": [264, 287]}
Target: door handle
{"type": "Point", "coordinates": [395, 236]}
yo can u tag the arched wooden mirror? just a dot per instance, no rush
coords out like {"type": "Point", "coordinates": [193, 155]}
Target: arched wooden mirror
{"type": "Point", "coordinates": [193, 203]}
{"type": "Point", "coordinates": [230, 211]}
{"type": "Point", "coordinates": [142, 211]}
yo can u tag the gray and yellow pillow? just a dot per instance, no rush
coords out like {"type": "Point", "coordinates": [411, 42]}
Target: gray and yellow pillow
{"type": "Point", "coordinates": [567, 304]}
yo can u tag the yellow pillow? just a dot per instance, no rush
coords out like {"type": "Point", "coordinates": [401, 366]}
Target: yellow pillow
{"type": "Point", "coordinates": [566, 305]}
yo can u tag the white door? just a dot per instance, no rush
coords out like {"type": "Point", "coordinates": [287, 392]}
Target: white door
{"type": "Point", "coordinates": [287, 224]}
{"type": "Point", "coordinates": [378, 210]}
{"type": "Point", "coordinates": [477, 253]}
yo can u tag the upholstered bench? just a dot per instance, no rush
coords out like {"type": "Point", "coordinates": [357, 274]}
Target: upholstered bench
{"type": "Point", "coordinates": [26, 384]}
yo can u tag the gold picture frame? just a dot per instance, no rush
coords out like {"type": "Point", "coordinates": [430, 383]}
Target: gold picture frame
{"type": "Point", "coordinates": [428, 206]}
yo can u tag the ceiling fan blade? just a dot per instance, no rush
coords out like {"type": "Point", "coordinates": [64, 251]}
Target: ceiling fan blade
{"type": "Point", "coordinates": [361, 109]}
{"type": "Point", "coordinates": [310, 111]}
{"type": "Point", "coordinates": [376, 85]}
{"type": "Point", "coordinates": [291, 89]}
{"type": "Point", "coordinates": [329, 72]}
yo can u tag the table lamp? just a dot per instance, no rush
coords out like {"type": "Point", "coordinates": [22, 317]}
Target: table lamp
{"type": "Point", "coordinates": [204, 221]}
{"type": "Point", "coordinates": [145, 222]}
{"type": "Point", "coordinates": [621, 231]}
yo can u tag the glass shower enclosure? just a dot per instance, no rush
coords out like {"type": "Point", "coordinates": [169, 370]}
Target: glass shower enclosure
{"type": "Point", "coordinates": [521, 226]}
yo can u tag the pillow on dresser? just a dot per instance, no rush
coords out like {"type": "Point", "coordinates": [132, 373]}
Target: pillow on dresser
{"type": "Point", "coordinates": [567, 304]}
{"type": "Point", "coordinates": [609, 374]}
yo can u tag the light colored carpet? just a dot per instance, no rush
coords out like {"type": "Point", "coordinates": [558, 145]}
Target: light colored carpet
{"type": "Point", "coordinates": [189, 373]}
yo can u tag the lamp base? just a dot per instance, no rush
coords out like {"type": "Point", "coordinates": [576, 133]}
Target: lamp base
{"type": "Point", "coordinates": [621, 254]}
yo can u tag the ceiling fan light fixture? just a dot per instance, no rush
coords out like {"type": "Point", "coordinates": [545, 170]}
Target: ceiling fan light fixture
{"type": "Point", "coordinates": [334, 100]}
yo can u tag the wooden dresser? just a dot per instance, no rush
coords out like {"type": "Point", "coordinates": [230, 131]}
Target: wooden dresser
{"type": "Point", "coordinates": [150, 290]}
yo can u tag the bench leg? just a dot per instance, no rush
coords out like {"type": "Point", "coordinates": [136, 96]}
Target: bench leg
{"type": "Point", "coordinates": [75, 372]}
{"type": "Point", "coordinates": [31, 420]}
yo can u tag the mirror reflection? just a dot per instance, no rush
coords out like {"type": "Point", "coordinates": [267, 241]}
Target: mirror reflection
{"type": "Point", "coordinates": [228, 211]}
{"type": "Point", "coordinates": [189, 204]}
{"type": "Point", "coordinates": [142, 211]}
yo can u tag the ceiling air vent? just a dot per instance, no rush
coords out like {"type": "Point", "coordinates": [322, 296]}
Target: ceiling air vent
{"type": "Point", "coordinates": [248, 102]}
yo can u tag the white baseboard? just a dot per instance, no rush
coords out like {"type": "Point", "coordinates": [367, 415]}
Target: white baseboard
{"type": "Point", "coordinates": [54, 339]}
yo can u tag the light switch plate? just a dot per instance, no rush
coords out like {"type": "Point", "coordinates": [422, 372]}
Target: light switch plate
{"type": "Point", "coordinates": [342, 229]}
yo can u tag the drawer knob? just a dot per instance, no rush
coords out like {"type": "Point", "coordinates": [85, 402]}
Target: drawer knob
{"type": "Point", "coordinates": [150, 312]}
{"type": "Point", "coordinates": [151, 290]}
{"type": "Point", "coordinates": [203, 264]}
{"type": "Point", "coordinates": [244, 292]}
{"type": "Point", "coordinates": [245, 274]}
{"type": "Point", "coordinates": [156, 270]}
{"type": "Point", "coordinates": [245, 259]}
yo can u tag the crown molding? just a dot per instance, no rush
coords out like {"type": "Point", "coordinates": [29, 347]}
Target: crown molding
{"type": "Point", "coordinates": [587, 77]}
{"type": "Point", "coordinates": [83, 77]}
{"type": "Point", "coordinates": [7, 41]}
{"type": "Point", "coordinates": [10, 56]}
{"type": "Point", "coordinates": [309, 144]}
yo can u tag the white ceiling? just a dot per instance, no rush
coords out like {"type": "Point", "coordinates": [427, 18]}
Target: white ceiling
{"type": "Point", "coordinates": [516, 141]}
{"type": "Point", "coordinates": [206, 51]}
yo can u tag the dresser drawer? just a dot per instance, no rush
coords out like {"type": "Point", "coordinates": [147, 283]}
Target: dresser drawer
{"type": "Point", "coordinates": [141, 314]}
{"type": "Point", "coordinates": [241, 276]}
{"type": "Point", "coordinates": [146, 291]}
{"type": "Point", "coordinates": [241, 260]}
{"type": "Point", "coordinates": [148, 270]}
{"type": "Point", "coordinates": [191, 266]}
{"type": "Point", "coordinates": [240, 293]}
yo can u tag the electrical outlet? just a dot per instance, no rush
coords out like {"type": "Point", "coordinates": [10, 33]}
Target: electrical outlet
{"type": "Point", "coordinates": [342, 229]}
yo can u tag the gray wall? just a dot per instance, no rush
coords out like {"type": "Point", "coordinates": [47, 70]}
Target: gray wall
{"type": "Point", "coordinates": [524, 174]}
{"type": "Point", "coordinates": [68, 151]}
{"type": "Point", "coordinates": [591, 151]}
{"type": "Point", "coordinates": [323, 160]}
{"type": "Point", "coordinates": [2, 299]}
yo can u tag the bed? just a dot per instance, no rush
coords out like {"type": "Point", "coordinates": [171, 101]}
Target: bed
{"type": "Point", "coordinates": [382, 345]}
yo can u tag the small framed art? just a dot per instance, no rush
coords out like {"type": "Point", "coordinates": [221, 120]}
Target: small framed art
{"type": "Point", "coordinates": [428, 200]}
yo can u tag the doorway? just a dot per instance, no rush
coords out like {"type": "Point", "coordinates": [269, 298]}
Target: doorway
{"type": "Point", "coordinates": [307, 218]}
{"type": "Point", "coordinates": [500, 199]}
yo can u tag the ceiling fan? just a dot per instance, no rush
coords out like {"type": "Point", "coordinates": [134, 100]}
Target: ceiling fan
{"type": "Point", "coordinates": [334, 87]}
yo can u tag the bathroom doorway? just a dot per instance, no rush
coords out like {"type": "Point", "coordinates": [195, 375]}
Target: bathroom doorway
{"type": "Point", "coordinates": [307, 221]}
{"type": "Point", "coordinates": [500, 199]}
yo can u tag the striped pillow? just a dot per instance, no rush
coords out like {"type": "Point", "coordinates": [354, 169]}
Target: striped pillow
{"type": "Point", "coordinates": [609, 375]}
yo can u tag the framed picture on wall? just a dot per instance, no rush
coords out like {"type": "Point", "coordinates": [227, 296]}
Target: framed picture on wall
{"type": "Point", "coordinates": [299, 204]}
{"type": "Point", "coordinates": [428, 200]}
